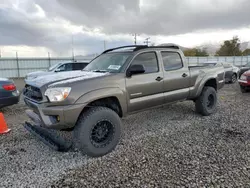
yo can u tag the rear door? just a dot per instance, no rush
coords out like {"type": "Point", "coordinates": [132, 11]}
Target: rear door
{"type": "Point", "coordinates": [145, 90]}
{"type": "Point", "coordinates": [176, 77]}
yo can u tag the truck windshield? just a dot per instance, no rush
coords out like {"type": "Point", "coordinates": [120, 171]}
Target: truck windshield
{"type": "Point", "coordinates": [111, 62]}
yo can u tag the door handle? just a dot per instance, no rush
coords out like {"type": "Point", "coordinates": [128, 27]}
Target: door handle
{"type": "Point", "coordinates": [159, 78]}
{"type": "Point", "coordinates": [184, 75]}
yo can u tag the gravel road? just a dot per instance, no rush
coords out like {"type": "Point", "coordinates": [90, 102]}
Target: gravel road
{"type": "Point", "coordinates": [167, 147]}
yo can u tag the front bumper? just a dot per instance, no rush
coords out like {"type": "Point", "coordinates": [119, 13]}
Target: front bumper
{"type": "Point", "coordinates": [7, 101]}
{"type": "Point", "coordinates": [54, 117]}
{"type": "Point", "coordinates": [244, 82]}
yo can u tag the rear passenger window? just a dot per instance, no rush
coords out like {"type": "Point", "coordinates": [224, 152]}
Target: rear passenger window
{"type": "Point", "coordinates": [171, 61]}
{"type": "Point", "coordinates": [148, 60]}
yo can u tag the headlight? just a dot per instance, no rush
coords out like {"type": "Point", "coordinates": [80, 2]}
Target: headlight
{"type": "Point", "coordinates": [57, 94]}
{"type": "Point", "coordinates": [243, 77]}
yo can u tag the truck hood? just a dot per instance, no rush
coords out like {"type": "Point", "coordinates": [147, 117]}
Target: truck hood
{"type": "Point", "coordinates": [61, 78]}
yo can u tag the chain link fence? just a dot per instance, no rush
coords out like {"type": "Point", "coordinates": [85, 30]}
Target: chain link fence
{"type": "Point", "coordinates": [19, 67]}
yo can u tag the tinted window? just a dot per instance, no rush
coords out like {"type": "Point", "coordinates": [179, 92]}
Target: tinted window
{"type": "Point", "coordinates": [171, 60]}
{"type": "Point", "coordinates": [148, 60]}
{"type": "Point", "coordinates": [79, 66]}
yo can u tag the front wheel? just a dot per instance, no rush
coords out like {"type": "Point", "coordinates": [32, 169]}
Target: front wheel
{"type": "Point", "coordinates": [97, 131]}
{"type": "Point", "coordinates": [206, 103]}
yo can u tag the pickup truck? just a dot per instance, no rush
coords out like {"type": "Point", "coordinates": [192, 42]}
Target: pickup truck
{"type": "Point", "coordinates": [117, 83]}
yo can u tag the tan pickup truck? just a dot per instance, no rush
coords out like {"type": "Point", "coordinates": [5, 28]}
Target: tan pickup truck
{"type": "Point", "coordinates": [119, 82]}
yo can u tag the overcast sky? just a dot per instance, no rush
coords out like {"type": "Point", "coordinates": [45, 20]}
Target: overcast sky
{"type": "Point", "coordinates": [36, 27]}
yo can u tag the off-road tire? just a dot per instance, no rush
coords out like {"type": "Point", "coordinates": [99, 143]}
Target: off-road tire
{"type": "Point", "coordinates": [201, 104]}
{"type": "Point", "coordinates": [82, 134]}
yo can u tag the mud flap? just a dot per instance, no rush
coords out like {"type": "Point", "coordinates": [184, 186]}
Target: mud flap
{"type": "Point", "coordinates": [48, 137]}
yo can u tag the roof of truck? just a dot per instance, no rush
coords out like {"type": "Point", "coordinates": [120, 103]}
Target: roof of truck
{"type": "Point", "coordinates": [140, 47]}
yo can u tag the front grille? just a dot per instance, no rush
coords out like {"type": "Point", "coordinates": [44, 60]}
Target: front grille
{"type": "Point", "coordinates": [32, 93]}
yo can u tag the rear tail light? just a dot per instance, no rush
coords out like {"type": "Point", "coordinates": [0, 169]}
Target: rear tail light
{"type": "Point", "coordinates": [9, 87]}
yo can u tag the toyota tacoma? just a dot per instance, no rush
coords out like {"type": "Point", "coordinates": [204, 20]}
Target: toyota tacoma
{"type": "Point", "coordinates": [117, 83]}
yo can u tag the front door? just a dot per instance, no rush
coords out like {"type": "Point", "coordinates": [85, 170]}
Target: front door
{"type": "Point", "coordinates": [145, 90]}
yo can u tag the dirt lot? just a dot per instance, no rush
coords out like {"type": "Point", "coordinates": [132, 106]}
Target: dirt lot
{"type": "Point", "coordinates": [166, 147]}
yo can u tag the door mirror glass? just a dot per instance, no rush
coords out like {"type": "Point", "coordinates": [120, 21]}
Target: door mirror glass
{"type": "Point", "coordinates": [135, 69]}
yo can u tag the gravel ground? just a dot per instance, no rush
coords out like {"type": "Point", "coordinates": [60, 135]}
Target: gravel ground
{"type": "Point", "coordinates": [166, 147]}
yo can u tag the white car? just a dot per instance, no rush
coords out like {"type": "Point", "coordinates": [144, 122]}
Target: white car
{"type": "Point", "coordinates": [59, 67]}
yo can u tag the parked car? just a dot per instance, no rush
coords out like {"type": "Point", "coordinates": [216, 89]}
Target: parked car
{"type": "Point", "coordinates": [9, 94]}
{"type": "Point", "coordinates": [244, 81]}
{"type": "Point", "coordinates": [116, 84]}
{"type": "Point", "coordinates": [59, 67]}
{"type": "Point", "coordinates": [244, 68]}
{"type": "Point", "coordinates": [231, 71]}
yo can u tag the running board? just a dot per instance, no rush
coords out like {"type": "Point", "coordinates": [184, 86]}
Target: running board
{"type": "Point", "coordinates": [48, 137]}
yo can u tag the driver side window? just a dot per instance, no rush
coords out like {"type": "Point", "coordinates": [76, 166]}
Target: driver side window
{"type": "Point", "coordinates": [65, 67]}
{"type": "Point", "coordinates": [148, 60]}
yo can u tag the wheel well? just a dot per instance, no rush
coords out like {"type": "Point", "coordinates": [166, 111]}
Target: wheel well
{"type": "Point", "coordinates": [109, 102]}
{"type": "Point", "coordinates": [211, 83]}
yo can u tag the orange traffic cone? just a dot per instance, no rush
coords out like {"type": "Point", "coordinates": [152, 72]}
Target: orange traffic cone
{"type": "Point", "coordinates": [3, 126]}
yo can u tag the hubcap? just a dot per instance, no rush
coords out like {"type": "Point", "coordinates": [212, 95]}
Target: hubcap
{"type": "Point", "coordinates": [210, 101]}
{"type": "Point", "coordinates": [102, 134]}
{"type": "Point", "coordinates": [233, 78]}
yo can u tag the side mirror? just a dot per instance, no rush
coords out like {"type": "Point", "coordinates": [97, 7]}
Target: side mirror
{"type": "Point", "coordinates": [135, 69]}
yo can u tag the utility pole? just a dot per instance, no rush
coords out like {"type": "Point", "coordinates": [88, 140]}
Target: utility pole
{"type": "Point", "coordinates": [135, 37]}
{"type": "Point", "coordinates": [0, 53]}
{"type": "Point", "coordinates": [49, 59]}
{"type": "Point", "coordinates": [104, 45]}
{"type": "Point", "coordinates": [147, 41]}
{"type": "Point", "coordinates": [72, 43]}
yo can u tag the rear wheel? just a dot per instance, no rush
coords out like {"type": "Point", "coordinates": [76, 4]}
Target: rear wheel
{"type": "Point", "coordinates": [206, 103]}
{"type": "Point", "coordinates": [233, 78]}
{"type": "Point", "coordinates": [97, 131]}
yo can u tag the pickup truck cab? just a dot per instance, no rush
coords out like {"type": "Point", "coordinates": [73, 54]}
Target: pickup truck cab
{"type": "Point", "coordinates": [119, 82]}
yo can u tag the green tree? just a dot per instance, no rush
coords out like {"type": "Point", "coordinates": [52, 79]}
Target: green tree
{"type": "Point", "coordinates": [246, 52]}
{"type": "Point", "coordinates": [195, 52]}
{"type": "Point", "coordinates": [230, 48]}
{"type": "Point", "coordinates": [202, 52]}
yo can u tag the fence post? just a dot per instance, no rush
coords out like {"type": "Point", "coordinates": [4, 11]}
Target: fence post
{"type": "Point", "coordinates": [241, 60]}
{"type": "Point", "coordinates": [49, 59]}
{"type": "Point", "coordinates": [17, 64]}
